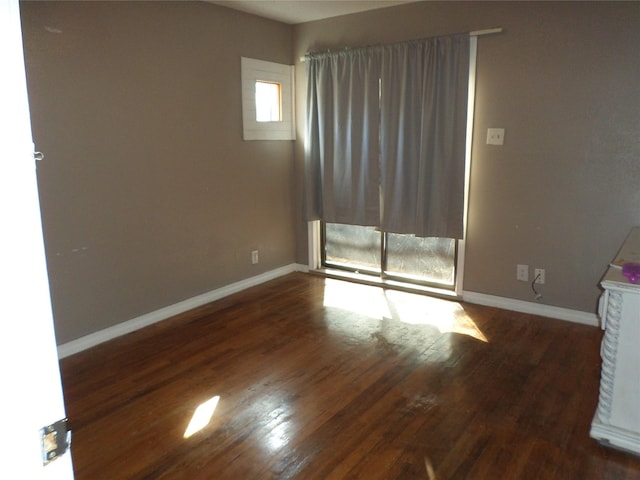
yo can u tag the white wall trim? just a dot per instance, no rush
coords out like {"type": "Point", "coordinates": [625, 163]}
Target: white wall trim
{"type": "Point", "coordinates": [313, 239]}
{"type": "Point", "coordinates": [93, 339]}
{"type": "Point", "coordinates": [559, 313]}
{"type": "Point", "coordinates": [101, 336]}
{"type": "Point", "coordinates": [302, 268]}
{"type": "Point", "coordinates": [253, 71]}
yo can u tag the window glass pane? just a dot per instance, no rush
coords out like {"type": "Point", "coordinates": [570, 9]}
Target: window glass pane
{"type": "Point", "coordinates": [267, 102]}
{"type": "Point", "coordinates": [425, 259]}
{"type": "Point", "coordinates": [352, 246]}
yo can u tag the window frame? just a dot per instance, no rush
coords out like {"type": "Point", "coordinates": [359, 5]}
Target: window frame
{"type": "Point", "coordinates": [252, 71]}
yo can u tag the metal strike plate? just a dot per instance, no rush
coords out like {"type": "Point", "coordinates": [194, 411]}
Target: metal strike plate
{"type": "Point", "coordinates": [56, 439]}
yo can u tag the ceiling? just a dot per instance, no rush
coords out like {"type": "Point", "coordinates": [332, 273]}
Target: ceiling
{"type": "Point", "coordinates": [300, 11]}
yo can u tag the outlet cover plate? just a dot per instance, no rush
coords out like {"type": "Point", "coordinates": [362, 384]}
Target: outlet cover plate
{"type": "Point", "coordinates": [495, 136]}
{"type": "Point", "coordinates": [522, 273]}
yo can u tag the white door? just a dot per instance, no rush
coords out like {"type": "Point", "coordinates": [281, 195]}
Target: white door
{"type": "Point", "coordinates": [31, 391]}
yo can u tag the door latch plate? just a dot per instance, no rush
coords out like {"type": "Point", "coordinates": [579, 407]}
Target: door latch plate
{"type": "Point", "coordinates": [56, 439]}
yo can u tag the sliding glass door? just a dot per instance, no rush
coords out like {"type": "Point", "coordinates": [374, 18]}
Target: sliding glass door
{"type": "Point", "coordinates": [406, 258]}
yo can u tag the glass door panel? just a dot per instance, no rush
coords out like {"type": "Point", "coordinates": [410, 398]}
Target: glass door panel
{"type": "Point", "coordinates": [353, 247]}
{"type": "Point", "coordinates": [406, 258]}
{"type": "Point", "coordinates": [430, 260]}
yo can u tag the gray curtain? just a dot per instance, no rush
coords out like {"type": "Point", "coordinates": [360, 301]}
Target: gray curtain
{"type": "Point", "coordinates": [342, 147]}
{"type": "Point", "coordinates": [386, 137]}
{"type": "Point", "coordinates": [423, 105]}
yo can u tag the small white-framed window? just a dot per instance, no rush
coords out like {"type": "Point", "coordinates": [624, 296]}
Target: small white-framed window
{"type": "Point", "coordinates": [267, 100]}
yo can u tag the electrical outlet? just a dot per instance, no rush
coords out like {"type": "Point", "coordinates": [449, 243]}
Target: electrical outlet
{"type": "Point", "coordinates": [254, 257]}
{"type": "Point", "coordinates": [495, 136]}
{"type": "Point", "coordinates": [522, 273]}
{"type": "Point", "coordinates": [539, 275]}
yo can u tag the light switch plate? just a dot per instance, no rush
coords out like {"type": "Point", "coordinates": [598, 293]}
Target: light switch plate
{"type": "Point", "coordinates": [495, 136]}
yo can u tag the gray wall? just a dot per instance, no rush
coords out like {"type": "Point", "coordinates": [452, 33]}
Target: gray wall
{"type": "Point", "coordinates": [563, 80]}
{"type": "Point", "coordinates": [149, 194]}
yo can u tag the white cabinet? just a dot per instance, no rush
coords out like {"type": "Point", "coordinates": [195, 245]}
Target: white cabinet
{"type": "Point", "coordinates": [617, 419]}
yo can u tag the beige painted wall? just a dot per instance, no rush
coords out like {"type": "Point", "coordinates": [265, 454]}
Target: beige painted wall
{"type": "Point", "coordinates": [563, 80]}
{"type": "Point", "coordinates": [149, 194]}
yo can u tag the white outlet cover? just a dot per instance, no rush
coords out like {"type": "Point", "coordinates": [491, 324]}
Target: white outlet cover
{"type": "Point", "coordinates": [522, 273]}
{"type": "Point", "coordinates": [495, 136]}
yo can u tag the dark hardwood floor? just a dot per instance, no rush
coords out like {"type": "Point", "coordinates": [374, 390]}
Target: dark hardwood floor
{"type": "Point", "coordinates": [323, 379]}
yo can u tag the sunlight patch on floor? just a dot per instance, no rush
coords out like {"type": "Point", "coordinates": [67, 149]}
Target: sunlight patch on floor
{"type": "Point", "coordinates": [202, 416]}
{"type": "Point", "coordinates": [445, 315]}
{"type": "Point", "coordinates": [356, 298]}
{"type": "Point", "coordinates": [408, 308]}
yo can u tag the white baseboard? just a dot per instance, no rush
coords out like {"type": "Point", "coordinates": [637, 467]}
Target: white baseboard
{"type": "Point", "coordinates": [96, 338]}
{"type": "Point", "coordinates": [559, 313]}
{"type": "Point", "coordinates": [93, 339]}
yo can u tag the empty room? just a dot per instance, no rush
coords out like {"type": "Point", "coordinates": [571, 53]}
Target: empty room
{"type": "Point", "coordinates": [327, 240]}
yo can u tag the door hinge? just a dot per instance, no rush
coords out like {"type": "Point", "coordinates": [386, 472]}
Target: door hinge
{"type": "Point", "coordinates": [56, 439]}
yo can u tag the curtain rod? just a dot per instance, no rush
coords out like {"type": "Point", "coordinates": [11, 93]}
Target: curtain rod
{"type": "Point", "coordinates": [475, 33]}
{"type": "Point", "coordinates": [486, 31]}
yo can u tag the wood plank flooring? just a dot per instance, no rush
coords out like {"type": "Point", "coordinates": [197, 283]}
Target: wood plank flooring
{"type": "Point", "coordinates": [324, 379]}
